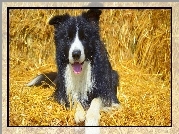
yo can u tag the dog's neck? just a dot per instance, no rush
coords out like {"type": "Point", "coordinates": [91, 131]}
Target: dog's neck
{"type": "Point", "coordinates": [77, 85]}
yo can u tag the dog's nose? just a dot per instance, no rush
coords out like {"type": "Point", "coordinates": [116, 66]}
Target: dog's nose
{"type": "Point", "coordinates": [76, 54]}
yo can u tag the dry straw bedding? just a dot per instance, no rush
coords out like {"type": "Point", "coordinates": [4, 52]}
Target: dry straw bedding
{"type": "Point", "coordinates": [138, 42]}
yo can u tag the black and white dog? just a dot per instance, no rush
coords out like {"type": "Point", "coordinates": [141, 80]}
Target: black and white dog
{"type": "Point", "coordinates": [85, 75]}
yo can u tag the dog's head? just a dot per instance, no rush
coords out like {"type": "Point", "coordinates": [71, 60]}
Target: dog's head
{"type": "Point", "coordinates": [75, 38]}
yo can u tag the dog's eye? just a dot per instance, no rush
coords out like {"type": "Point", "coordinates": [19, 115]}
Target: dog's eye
{"type": "Point", "coordinates": [82, 37]}
{"type": "Point", "coordinates": [69, 36]}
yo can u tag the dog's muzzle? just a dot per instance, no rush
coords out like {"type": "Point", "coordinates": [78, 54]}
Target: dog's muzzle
{"type": "Point", "coordinates": [76, 55]}
{"type": "Point", "coordinates": [77, 66]}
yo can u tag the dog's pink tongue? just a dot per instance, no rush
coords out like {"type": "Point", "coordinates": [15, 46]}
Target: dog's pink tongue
{"type": "Point", "coordinates": [77, 67]}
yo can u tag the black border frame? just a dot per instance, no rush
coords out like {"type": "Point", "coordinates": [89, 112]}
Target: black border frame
{"type": "Point", "coordinates": [85, 7]}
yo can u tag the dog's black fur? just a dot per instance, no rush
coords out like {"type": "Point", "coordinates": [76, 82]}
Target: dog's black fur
{"type": "Point", "coordinates": [105, 78]}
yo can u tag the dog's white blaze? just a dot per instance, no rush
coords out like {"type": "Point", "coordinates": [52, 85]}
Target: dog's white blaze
{"type": "Point", "coordinates": [76, 45]}
{"type": "Point", "coordinates": [77, 85]}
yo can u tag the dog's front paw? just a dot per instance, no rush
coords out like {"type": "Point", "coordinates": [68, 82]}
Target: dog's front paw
{"type": "Point", "coordinates": [93, 113]}
{"type": "Point", "coordinates": [92, 118]}
{"type": "Point", "coordinates": [79, 114]}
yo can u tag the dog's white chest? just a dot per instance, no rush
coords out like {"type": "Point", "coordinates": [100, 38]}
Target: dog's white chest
{"type": "Point", "coordinates": [77, 85]}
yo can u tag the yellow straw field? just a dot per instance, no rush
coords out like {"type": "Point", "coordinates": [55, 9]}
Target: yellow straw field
{"type": "Point", "coordinates": [139, 45]}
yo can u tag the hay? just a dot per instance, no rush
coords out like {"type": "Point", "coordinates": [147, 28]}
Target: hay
{"type": "Point", "coordinates": [138, 42]}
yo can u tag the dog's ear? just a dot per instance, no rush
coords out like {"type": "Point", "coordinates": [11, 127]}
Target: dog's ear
{"type": "Point", "coordinates": [92, 15]}
{"type": "Point", "coordinates": [58, 19]}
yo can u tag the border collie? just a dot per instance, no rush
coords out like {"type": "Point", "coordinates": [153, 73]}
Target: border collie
{"type": "Point", "coordinates": [85, 76]}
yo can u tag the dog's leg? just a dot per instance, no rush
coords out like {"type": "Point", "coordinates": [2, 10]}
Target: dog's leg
{"type": "Point", "coordinates": [48, 78]}
{"type": "Point", "coordinates": [93, 113]}
{"type": "Point", "coordinates": [93, 116]}
{"type": "Point", "coordinates": [92, 130]}
{"type": "Point", "coordinates": [80, 113]}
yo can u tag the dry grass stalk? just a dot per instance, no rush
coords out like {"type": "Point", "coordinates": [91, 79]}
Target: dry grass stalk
{"type": "Point", "coordinates": [138, 42]}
